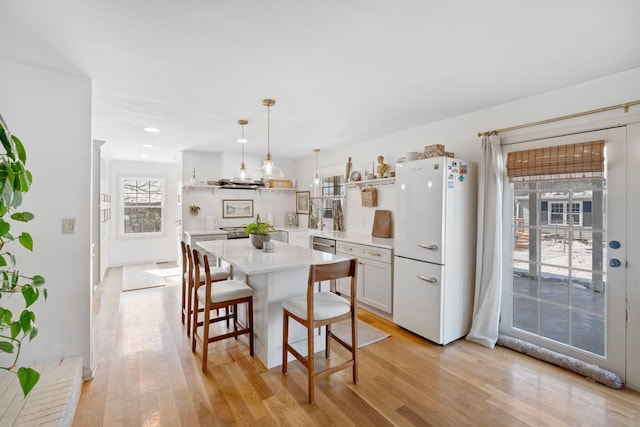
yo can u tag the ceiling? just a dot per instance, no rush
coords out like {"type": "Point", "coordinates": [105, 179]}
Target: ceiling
{"type": "Point", "coordinates": [341, 72]}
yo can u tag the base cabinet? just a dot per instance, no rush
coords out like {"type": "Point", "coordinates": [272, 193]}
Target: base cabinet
{"type": "Point", "coordinates": [375, 275]}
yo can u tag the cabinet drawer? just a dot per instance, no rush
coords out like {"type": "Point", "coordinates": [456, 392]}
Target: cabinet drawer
{"type": "Point", "coordinates": [349, 248]}
{"type": "Point", "coordinates": [375, 253]}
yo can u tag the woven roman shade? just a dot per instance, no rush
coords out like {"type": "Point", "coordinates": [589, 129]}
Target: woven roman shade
{"type": "Point", "coordinates": [582, 160]}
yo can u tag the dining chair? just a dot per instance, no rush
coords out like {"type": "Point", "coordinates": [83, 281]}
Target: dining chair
{"type": "Point", "coordinates": [189, 280]}
{"type": "Point", "coordinates": [318, 309]}
{"type": "Point", "coordinates": [216, 295]}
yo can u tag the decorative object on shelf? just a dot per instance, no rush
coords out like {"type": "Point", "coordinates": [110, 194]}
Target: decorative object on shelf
{"type": "Point", "coordinates": [382, 167]}
{"type": "Point", "coordinates": [237, 209]}
{"type": "Point", "coordinates": [291, 218]}
{"type": "Point", "coordinates": [316, 177]}
{"type": "Point", "coordinates": [313, 218]}
{"type": "Point", "coordinates": [382, 224]}
{"type": "Point", "coordinates": [278, 183]}
{"type": "Point", "coordinates": [242, 141]}
{"type": "Point", "coordinates": [411, 155]}
{"type": "Point", "coordinates": [258, 232]}
{"type": "Point", "coordinates": [436, 150]}
{"type": "Point", "coordinates": [338, 216]}
{"type": "Point", "coordinates": [194, 209]}
{"type": "Point", "coordinates": [369, 197]}
{"type": "Point", "coordinates": [303, 198]}
{"type": "Point", "coordinates": [347, 175]}
{"type": "Point", "coordinates": [192, 180]}
{"type": "Point", "coordinates": [269, 169]}
{"type": "Point", "coordinates": [355, 176]}
{"type": "Point", "coordinates": [367, 171]}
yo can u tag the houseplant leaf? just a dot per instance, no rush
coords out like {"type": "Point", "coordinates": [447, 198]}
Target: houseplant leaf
{"type": "Point", "coordinates": [28, 378]}
{"type": "Point", "coordinates": [26, 241]}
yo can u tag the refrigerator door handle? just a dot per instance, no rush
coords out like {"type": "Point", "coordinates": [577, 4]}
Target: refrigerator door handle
{"type": "Point", "coordinates": [428, 279]}
{"type": "Point", "coordinates": [426, 246]}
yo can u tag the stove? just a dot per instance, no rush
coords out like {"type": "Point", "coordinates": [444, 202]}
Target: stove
{"type": "Point", "coordinates": [235, 232]}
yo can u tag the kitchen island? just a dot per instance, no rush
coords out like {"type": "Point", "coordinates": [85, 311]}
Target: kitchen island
{"type": "Point", "coordinates": [274, 276]}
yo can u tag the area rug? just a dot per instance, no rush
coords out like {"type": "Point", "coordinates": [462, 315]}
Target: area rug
{"type": "Point", "coordinates": [141, 276]}
{"type": "Point", "coordinates": [367, 334]}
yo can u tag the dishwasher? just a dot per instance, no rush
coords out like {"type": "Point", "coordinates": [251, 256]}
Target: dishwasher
{"type": "Point", "coordinates": [323, 244]}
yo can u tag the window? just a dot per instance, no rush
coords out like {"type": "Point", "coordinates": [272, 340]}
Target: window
{"type": "Point", "coordinates": [142, 205]}
{"type": "Point", "coordinates": [332, 188]}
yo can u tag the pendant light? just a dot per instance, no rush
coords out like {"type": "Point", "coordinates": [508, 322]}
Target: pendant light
{"type": "Point", "coordinates": [242, 141]}
{"type": "Point", "coordinates": [269, 169]}
{"type": "Point", "coordinates": [316, 177]}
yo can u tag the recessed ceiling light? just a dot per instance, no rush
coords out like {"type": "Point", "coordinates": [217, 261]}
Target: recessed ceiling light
{"type": "Point", "coordinates": [152, 130]}
{"type": "Point", "coordinates": [147, 145]}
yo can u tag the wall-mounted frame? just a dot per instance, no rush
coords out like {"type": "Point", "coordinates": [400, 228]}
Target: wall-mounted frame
{"type": "Point", "coordinates": [237, 209]}
{"type": "Point", "coordinates": [302, 202]}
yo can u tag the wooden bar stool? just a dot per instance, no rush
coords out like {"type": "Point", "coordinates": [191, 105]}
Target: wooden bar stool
{"type": "Point", "coordinates": [211, 296]}
{"type": "Point", "coordinates": [318, 309]}
{"type": "Point", "coordinates": [189, 279]}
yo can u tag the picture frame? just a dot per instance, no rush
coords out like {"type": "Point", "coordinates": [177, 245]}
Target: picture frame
{"type": "Point", "coordinates": [302, 202]}
{"type": "Point", "coordinates": [237, 208]}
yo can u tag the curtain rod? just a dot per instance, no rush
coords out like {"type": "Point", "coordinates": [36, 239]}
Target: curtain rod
{"type": "Point", "coordinates": [557, 119]}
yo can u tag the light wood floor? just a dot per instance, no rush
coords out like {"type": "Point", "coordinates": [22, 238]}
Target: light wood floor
{"type": "Point", "coordinates": [147, 376]}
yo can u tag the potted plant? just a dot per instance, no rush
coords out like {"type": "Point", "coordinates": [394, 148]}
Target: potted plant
{"type": "Point", "coordinates": [194, 209]}
{"type": "Point", "coordinates": [258, 232]}
{"type": "Point", "coordinates": [15, 180]}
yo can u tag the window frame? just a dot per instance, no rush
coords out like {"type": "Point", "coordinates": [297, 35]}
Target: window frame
{"type": "Point", "coordinates": [122, 206]}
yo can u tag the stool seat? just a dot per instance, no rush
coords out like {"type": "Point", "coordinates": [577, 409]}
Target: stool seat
{"type": "Point", "coordinates": [217, 273]}
{"type": "Point", "coordinates": [325, 306]}
{"type": "Point", "coordinates": [225, 290]}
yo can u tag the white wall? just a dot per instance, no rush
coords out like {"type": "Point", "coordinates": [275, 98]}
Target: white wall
{"type": "Point", "coordinates": [459, 134]}
{"type": "Point", "coordinates": [51, 113]}
{"type": "Point", "coordinates": [138, 250]}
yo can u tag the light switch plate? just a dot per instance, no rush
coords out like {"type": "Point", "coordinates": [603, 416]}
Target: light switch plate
{"type": "Point", "coordinates": [68, 225]}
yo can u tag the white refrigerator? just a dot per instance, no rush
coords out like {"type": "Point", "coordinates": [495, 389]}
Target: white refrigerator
{"type": "Point", "coordinates": [435, 235]}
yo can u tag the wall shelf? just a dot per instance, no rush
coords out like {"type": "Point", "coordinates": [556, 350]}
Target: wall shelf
{"type": "Point", "coordinates": [372, 183]}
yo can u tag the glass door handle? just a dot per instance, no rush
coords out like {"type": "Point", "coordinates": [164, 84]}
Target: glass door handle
{"type": "Point", "coordinates": [613, 262]}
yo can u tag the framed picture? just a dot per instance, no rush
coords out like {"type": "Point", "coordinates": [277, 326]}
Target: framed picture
{"type": "Point", "coordinates": [302, 202]}
{"type": "Point", "coordinates": [237, 209]}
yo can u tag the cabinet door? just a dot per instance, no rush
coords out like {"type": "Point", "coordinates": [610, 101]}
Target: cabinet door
{"type": "Point", "coordinates": [417, 298]}
{"type": "Point", "coordinates": [375, 285]}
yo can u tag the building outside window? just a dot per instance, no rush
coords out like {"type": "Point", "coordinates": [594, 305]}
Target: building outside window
{"type": "Point", "coordinates": [142, 206]}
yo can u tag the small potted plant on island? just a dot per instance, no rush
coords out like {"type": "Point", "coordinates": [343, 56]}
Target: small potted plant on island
{"type": "Point", "coordinates": [194, 209]}
{"type": "Point", "coordinates": [258, 232]}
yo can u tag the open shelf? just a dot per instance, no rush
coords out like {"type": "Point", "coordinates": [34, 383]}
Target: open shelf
{"type": "Point", "coordinates": [372, 183]}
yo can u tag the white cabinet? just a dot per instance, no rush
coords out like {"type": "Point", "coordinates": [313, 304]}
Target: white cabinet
{"type": "Point", "coordinates": [302, 239]}
{"type": "Point", "coordinates": [375, 275]}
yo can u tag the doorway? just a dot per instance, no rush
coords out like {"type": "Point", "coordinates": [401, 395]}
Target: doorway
{"type": "Point", "coordinates": [564, 275]}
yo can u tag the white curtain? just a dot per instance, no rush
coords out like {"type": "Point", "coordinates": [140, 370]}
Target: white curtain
{"type": "Point", "coordinates": [486, 305]}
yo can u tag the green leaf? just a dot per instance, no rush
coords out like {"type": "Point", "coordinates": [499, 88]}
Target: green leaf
{"type": "Point", "coordinates": [15, 329]}
{"type": "Point", "coordinates": [22, 216]}
{"type": "Point", "coordinates": [38, 280]}
{"type": "Point", "coordinates": [17, 197]}
{"type": "Point", "coordinates": [33, 333]}
{"type": "Point", "coordinates": [3, 262]}
{"type": "Point", "coordinates": [45, 293]}
{"type": "Point", "coordinates": [26, 241]}
{"type": "Point", "coordinates": [6, 316]}
{"type": "Point", "coordinates": [4, 227]}
{"type": "Point", "coordinates": [30, 295]}
{"type": "Point", "coordinates": [26, 320]}
{"type": "Point", "coordinates": [6, 347]}
{"type": "Point", "coordinates": [28, 378]}
{"type": "Point", "coordinates": [22, 154]}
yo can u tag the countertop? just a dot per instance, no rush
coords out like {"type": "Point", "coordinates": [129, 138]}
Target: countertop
{"type": "Point", "coordinates": [345, 236]}
{"type": "Point", "coordinates": [249, 260]}
{"type": "Point", "coordinates": [204, 232]}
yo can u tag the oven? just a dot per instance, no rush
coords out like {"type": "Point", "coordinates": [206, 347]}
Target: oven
{"type": "Point", "coordinates": [235, 233]}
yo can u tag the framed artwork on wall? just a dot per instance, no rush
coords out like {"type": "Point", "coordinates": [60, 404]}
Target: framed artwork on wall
{"type": "Point", "coordinates": [302, 202]}
{"type": "Point", "coordinates": [237, 209]}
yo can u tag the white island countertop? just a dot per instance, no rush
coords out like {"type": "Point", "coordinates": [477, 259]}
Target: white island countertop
{"type": "Point", "coordinates": [344, 236]}
{"type": "Point", "coordinates": [251, 261]}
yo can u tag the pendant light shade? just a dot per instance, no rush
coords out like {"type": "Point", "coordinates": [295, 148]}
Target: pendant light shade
{"type": "Point", "coordinates": [242, 141]}
{"type": "Point", "coordinates": [268, 170]}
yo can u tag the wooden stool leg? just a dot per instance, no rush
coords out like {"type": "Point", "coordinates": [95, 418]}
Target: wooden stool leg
{"type": "Point", "coordinates": [285, 341]}
{"type": "Point", "coordinates": [311, 362]}
{"type": "Point", "coordinates": [250, 321]}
